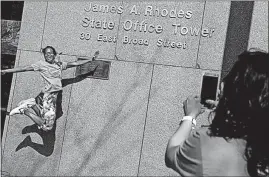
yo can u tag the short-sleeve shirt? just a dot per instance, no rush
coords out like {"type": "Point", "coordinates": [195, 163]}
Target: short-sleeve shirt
{"type": "Point", "coordinates": [205, 155]}
{"type": "Point", "coordinates": [51, 73]}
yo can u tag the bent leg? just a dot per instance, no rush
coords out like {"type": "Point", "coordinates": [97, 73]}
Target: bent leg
{"type": "Point", "coordinates": [49, 110]}
{"type": "Point", "coordinates": [24, 104]}
{"type": "Point", "coordinates": [32, 110]}
{"type": "Point", "coordinates": [38, 120]}
{"type": "Point", "coordinates": [37, 110]}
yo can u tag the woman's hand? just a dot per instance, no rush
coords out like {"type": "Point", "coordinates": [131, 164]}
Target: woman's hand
{"type": "Point", "coordinates": [192, 106]}
{"type": "Point", "coordinates": [3, 72]}
{"type": "Point", "coordinates": [212, 104]}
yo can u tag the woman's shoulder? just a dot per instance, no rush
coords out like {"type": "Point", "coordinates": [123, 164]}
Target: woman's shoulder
{"type": "Point", "coordinates": [206, 136]}
{"type": "Point", "coordinates": [41, 63]}
{"type": "Point", "coordinates": [201, 132]}
{"type": "Point", "coordinates": [208, 140]}
{"type": "Point", "coordinates": [220, 155]}
{"type": "Point", "coordinates": [215, 147]}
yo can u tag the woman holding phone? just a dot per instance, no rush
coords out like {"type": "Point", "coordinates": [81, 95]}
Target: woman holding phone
{"type": "Point", "coordinates": [236, 143]}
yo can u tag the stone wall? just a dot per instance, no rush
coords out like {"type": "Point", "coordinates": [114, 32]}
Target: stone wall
{"type": "Point", "coordinates": [158, 51]}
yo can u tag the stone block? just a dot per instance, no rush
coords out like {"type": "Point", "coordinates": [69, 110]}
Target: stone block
{"type": "Point", "coordinates": [105, 123]}
{"type": "Point", "coordinates": [170, 87]}
{"type": "Point", "coordinates": [79, 28]}
{"type": "Point", "coordinates": [32, 26]}
{"type": "Point", "coordinates": [168, 23]}
{"type": "Point", "coordinates": [211, 48]}
{"type": "Point", "coordinates": [258, 37]}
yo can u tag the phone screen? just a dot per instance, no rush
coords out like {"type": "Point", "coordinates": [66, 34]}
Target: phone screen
{"type": "Point", "coordinates": [209, 88]}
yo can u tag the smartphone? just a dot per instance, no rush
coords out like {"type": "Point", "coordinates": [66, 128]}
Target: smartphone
{"type": "Point", "coordinates": [209, 87]}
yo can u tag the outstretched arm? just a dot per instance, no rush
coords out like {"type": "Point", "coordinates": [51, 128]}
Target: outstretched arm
{"type": "Point", "coordinates": [18, 69]}
{"type": "Point", "coordinates": [81, 62]}
{"type": "Point", "coordinates": [77, 63]}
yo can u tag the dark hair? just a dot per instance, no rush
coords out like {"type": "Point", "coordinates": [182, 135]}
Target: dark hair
{"type": "Point", "coordinates": [243, 109]}
{"type": "Point", "coordinates": [53, 49]}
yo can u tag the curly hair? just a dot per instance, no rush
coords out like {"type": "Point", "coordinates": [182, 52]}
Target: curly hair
{"type": "Point", "coordinates": [243, 109]}
{"type": "Point", "coordinates": [52, 48]}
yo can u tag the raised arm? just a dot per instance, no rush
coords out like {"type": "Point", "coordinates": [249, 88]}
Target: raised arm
{"type": "Point", "coordinates": [81, 62]}
{"type": "Point", "coordinates": [77, 63]}
{"type": "Point", "coordinates": [192, 109]}
{"type": "Point", "coordinates": [18, 69]}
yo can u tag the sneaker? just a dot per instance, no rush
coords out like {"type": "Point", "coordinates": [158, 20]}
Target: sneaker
{"type": "Point", "coordinates": [17, 110]}
{"type": "Point", "coordinates": [22, 106]}
{"type": "Point", "coordinates": [29, 102]}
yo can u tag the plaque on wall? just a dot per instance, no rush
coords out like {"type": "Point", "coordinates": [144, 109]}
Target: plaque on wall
{"type": "Point", "coordinates": [97, 69]}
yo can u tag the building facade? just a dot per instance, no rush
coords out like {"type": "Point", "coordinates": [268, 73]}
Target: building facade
{"type": "Point", "coordinates": [157, 53]}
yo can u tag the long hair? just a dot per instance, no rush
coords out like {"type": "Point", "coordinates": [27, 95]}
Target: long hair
{"type": "Point", "coordinates": [243, 109]}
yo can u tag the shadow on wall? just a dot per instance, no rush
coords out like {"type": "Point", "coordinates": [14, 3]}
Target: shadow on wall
{"type": "Point", "coordinates": [115, 120]}
{"type": "Point", "coordinates": [79, 78]}
{"type": "Point", "coordinates": [48, 137]}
